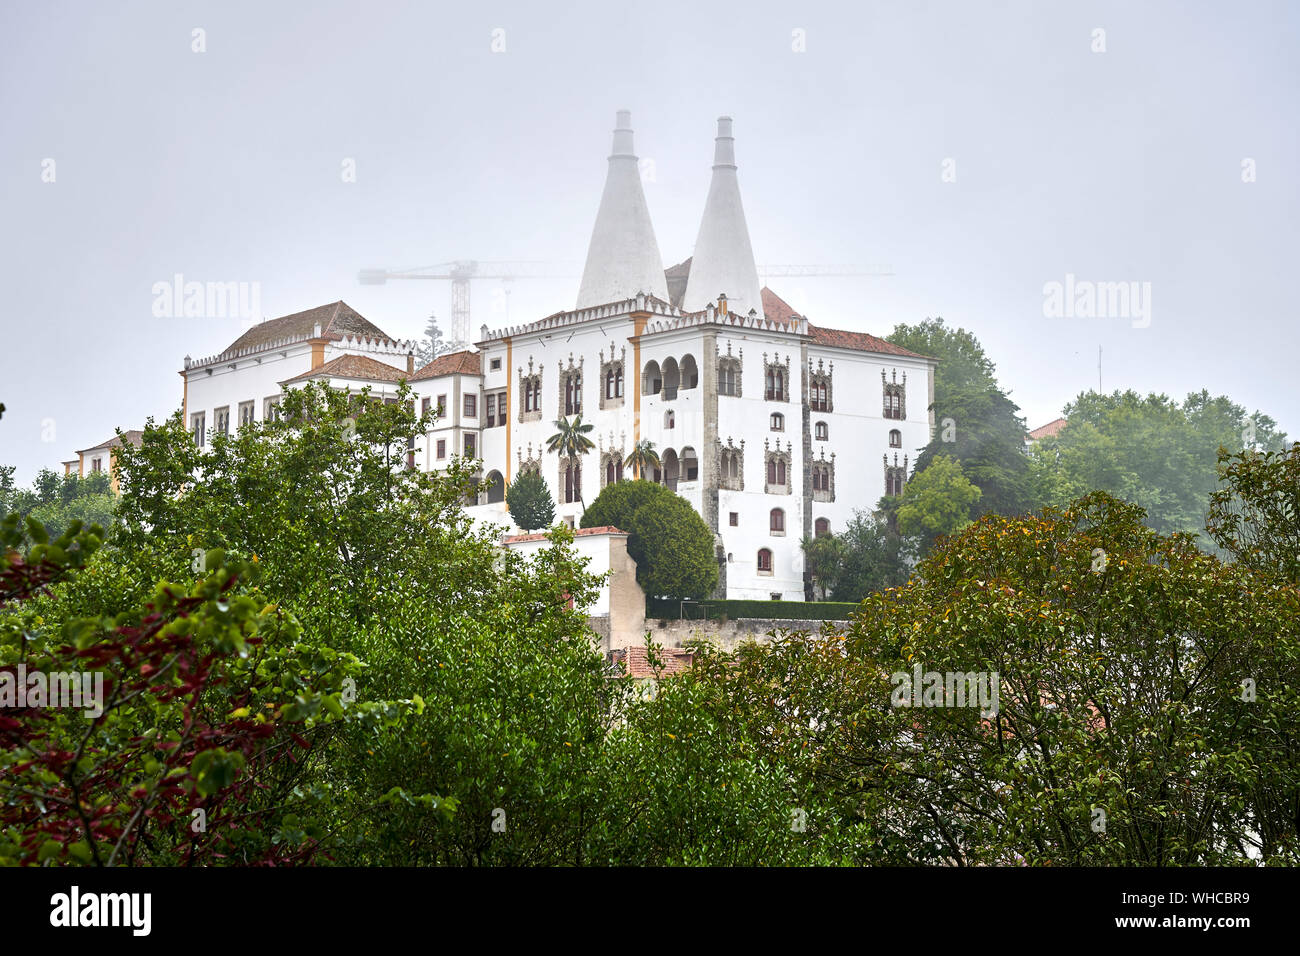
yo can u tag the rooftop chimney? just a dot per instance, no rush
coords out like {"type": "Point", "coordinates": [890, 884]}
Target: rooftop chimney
{"type": "Point", "coordinates": [623, 257]}
{"type": "Point", "coordinates": [723, 261]}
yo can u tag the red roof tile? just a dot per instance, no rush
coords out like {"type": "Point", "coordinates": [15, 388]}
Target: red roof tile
{"type": "Point", "coordinates": [453, 363]}
{"type": "Point", "coordinates": [133, 437]}
{"type": "Point", "coordinates": [776, 309]}
{"type": "Point", "coordinates": [635, 662]}
{"type": "Point", "coordinates": [858, 341]}
{"type": "Point", "coordinates": [335, 320]}
{"type": "Point", "coordinates": [1048, 430]}
{"type": "Point", "coordinates": [360, 367]}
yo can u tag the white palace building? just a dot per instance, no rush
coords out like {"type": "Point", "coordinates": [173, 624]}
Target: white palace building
{"type": "Point", "coordinates": [772, 427]}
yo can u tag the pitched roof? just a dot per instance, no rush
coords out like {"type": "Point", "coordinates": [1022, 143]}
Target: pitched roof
{"type": "Point", "coordinates": [859, 341]}
{"type": "Point", "coordinates": [1048, 430]}
{"type": "Point", "coordinates": [335, 320]}
{"type": "Point", "coordinates": [635, 662]}
{"type": "Point", "coordinates": [134, 437]}
{"type": "Point", "coordinates": [776, 309]}
{"type": "Point", "coordinates": [579, 532]}
{"type": "Point", "coordinates": [465, 362]}
{"type": "Point", "coordinates": [361, 367]}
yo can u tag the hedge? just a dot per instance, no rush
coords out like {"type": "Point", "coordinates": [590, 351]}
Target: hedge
{"type": "Point", "coordinates": [779, 610]}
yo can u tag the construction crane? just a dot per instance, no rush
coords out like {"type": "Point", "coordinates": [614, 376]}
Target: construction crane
{"type": "Point", "coordinates": [460, 274]}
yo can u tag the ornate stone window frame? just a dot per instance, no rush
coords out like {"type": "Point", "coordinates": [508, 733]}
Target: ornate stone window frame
{"type": "Point", "coordinates": [533, 379]}
{"type": "Point", "coordinates": [726, 455]}
{"type": "Point", "coordinates": [777, 455]}
{"type": "Point", "coordinates": [734, 363]}
{"type": "Point", "coordinates": [618, 368]}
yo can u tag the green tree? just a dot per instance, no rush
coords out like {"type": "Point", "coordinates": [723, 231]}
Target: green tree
{"type": "Point", "coordinates": [671, 544]}
{"type": "Point", "coordinates": [823, 559]}
{"type": "Point", "coordinates": [936, 502]}
{"type": "Point", "coordinates": [674, 549]}
{"type": "Point", "coordinates": [1255, 513]}
{"type": "Point", "coordinates": [642, 459]}
{"type": "Point", "coordinates": [56, 501]}
{"type": "Point", "coordinates": [977, 424]}
{"type": "Point", "coordinates": [530, 502]}
{"type": "Point", "coordinates": [570, 441]}
{"type": "Point", "coordinates": [873, 557]}
{"type": "Point", "coordinates": [1146, 714]}
{"type": "Point", "coordinates": [432, 345]}
{"type": "Point", "coordinates": [1150, 450]}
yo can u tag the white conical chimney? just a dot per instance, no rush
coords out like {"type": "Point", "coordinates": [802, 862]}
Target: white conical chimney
{"type": "Point", "coordinates": [723, 261]}
{"type": "Point", "coordinates": [623, 258]}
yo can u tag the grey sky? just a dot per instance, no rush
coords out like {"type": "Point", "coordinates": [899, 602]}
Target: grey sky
{"type": "Point", "coordinates": [225, 166]}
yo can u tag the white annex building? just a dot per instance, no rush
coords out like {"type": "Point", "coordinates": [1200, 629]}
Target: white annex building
{"type": "Point", "coordinates": [772, 427]}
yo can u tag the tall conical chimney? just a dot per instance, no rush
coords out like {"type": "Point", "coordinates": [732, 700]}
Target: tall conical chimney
{"type": "Point", "coordinates": [623, 258]}
{"type": "Point", "coordinates": [723, 261]}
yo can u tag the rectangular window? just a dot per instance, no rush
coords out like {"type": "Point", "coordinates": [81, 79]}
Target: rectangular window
{"type": "Point", "coordinates": [495, 365]}
{"type": "Point", "coordinates": [471, 446]}
{"type": "Point", "coordinates": [246, 413]}
{"type": "Point", "coordinates": [97, 464]}
{"type": "Point", "coordinates": [735, 519]}
{"type": "Point", "coordinates": [442, 404]}
{"type": "Point", "coordinates": [271, 409]}
{"type": "Point", "coordinates": [196, 426]}
{"type": "Point", "coordinates": [221, 419]}
{"type": "Point", "coordinates": [442, 448]}
{"type": "Point", "coordinates": [492, 410]}
{"type": "Point", "coordinates": [424, 406]}
{"type": "Point", "coordinates": [471, 406]}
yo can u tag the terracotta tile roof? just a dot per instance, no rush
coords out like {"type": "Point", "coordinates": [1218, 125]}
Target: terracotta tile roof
{"type": "Point", "coordinates": [453, 363]}
{"type": "Point", "coordinates": [858, 341]}
{"type": "Point", "coordinates": [336, 320]}
{"type": "Point", "coordinates": [361, 367]}
{"type": "Point", "coordinates": [776, 309]}
{"type": "Point", "coordinates": [604, 529]}
{"type": "Point", "coordinates": [1048, 430]}
{"type": "Point", "coordinates": [636, 663]}
{"type": "Point", "coordinates": [133, 437]}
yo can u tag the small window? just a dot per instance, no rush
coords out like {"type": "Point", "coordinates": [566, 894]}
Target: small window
{"type": "Point", "coordinates": [822, 527]}
{"type": "Point", "coordinates": [492, 410]}
{"type": "Point", "coordinates": [471, 406]}
{"type": "Point", "coordinates": [495, 365]}
{"type": "Point", "coordinates": [764, 561]}
{"type": "Point", "coordinates": [221, 420]}
{"type": "Point", "coordinates": [424, 406]}
{"type": "Point", "coordinates": [442, 448]}
{"type": "Point", "coordinates": [670, 421]}
{"type": "Point", "coordinates": [778, 422]}
{"type": "Point", "coordinates": [196, 426]}
{"type": "Point", "coordinates": [97, 464]}
{"type": "Point", "coordinates": [895, 438]}
{"type": "Point", "coordinates": [442, 404]}
{"type": "Point", "coordinates": [777, 521]}
{"type": "Point", "coordinates": [271, 409]}
{"type": "Point", "coordinates": [822, 433]}
{"type": "Point", "coordinates": [735, 519]}
{"type": "Point", "coordinates": [471, 446]}
{"type": "Point", "coordinates": [246, 413]}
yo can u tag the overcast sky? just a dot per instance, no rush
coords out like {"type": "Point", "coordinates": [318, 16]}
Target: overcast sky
{"type": "Point", "coordinates": [227, 166]}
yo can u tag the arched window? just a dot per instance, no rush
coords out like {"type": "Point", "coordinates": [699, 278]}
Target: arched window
{"type": "Point", "coordinates": [776, 471]}
{"type": "Point", "coordinates": [776, 521]}
{"type": "Point", "coordinates": [895, 438]}
{"type": "Point", "coordinates": [652, 379]}
{"type": "Point", "coordinates": [670, 420]}
{"type": "Point", "coordinates": [822, 433]}
{"type": "Point", "coordinates": [778, 422]}
{"type": "Point", "coordinates": [690, 373]}
{"type": "Point", "coordinates": [822, 527]}
{"type": "Point", "coordinates": [764, 561]}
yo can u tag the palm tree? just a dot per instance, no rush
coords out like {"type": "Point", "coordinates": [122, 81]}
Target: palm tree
{"type": "Point", "coordinates": [570, 441]}
{"type": "Point", "coordinates": [642, 458]}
